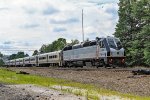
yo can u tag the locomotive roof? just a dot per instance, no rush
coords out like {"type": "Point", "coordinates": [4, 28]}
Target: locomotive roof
{"type": "Point", "coordinates": [97, 39]}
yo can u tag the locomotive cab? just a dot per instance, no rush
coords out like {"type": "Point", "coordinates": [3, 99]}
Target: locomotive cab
{"type": "Point", "coordinates": [116, 54]}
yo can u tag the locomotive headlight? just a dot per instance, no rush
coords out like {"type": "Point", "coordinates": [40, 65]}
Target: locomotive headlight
{"type": "Point", "coordinates": [123, 60]}
{"type": "Point", "coordinates": [110, 60]}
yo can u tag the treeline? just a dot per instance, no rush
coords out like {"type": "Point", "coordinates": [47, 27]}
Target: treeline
{"type": "Point", "coordinates": [18, 55]}
{"type": "Point", "coordinates": [56, 45]}
{"type": "Point", "coordinates": [133, 29]}
{"type": "Point", "coordinates": [1, 61]}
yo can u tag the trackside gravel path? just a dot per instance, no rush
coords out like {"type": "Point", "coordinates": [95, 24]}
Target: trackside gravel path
{"type": "Point", "coordinates": [32, 92]}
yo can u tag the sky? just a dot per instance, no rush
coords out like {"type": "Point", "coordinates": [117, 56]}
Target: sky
{"type": "Point", "coordinates": [27, 24]}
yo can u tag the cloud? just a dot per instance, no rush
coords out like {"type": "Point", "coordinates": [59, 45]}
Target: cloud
{"type": "Point", "coordinates": [31, 23]}
{"type": "Point", "coordinates": [99, 2]}
{"type": "Point", "coordinates": [4, 47]}
{"type": "Point", "coordinates": [113, 12]}
{"type": "Point", "coordinates": [29, 10]}
{"type": "Point", "coordinates": [29, 26]}
{"type": "Point", "coordinates": [60, 29]}
{"type": "Point", "coordinates": [66, 21]}
{"type": "Point", "coordinates": [10, 47]}
{"type": "Point", "coordinates": [50, 10]}
{"type": "Point", "coordinates": [112, 9]}
{"type": "Point", "coordinates": [4, 8]}
{"type": "Point", "coordinates": [8, 42]}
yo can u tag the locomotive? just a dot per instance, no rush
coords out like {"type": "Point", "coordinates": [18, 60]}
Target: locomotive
{"type": "Point", "coordinates": [105, 51]}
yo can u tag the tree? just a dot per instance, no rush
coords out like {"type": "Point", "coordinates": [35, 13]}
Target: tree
{"type": "Point", "coordinates": [1, 55]}
{"type": "Point", "coordinates": [56, 45]}
{"type": "Point", "coordinates": [43, 49]}
{"type": "Point", "coordinates": [141, 34]}
{"type": "Point", "coordinates": [18, 55]}
{"type": "Point", "coordinates": [123, 27]}
{"type": "Point", "coordinates": [132, 28]}
{"type": "Point", "coordinates": [1, 62]}
{"type": "Point", "coordinates": [59, 44]}
{"type": "Point", "coordinates": [146, 41]}
{"type": "Point", "coordinates": [13, 56]}
{"type": "Point", "coordinates": [35, 52]}
{"type": "Point", "coordinates": [26, 55]}
{"type": "Point", "coordinates": [73, 42]}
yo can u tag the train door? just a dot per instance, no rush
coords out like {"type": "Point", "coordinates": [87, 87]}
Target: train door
{"type": "Point", "coordinates": [102, 52]}
{"type": "Point", "coordinates": [37, 61]}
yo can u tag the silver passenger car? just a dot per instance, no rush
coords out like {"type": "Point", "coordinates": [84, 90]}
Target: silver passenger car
{"type": "Point", "coordinates": [17, 62]}
{"type": "Point", "coordinates": [21, 62]}
{"type": "Point", "coordinates": [7, 63]}
{"type": "Point", "coordinates": [26, 61]}
{"type": "Point", "coordinates": [51, 59]}
{"type": "Point", "coordinates": [33, 61]}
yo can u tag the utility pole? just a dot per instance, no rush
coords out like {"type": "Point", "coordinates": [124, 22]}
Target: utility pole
{"type": "Point", "coordinates": [82, 27]}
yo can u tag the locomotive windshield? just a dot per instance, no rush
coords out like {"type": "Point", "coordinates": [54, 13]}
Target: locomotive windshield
{"type": "Point", "coordinates": [114, 43]}
{"type": "Point", "coordinates": [118, 43]}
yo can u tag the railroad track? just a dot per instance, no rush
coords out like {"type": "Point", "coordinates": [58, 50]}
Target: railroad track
{"type": "Point", "coordinates": [118, 69]}
{"type": "Point", "coordinates": [96, 69]}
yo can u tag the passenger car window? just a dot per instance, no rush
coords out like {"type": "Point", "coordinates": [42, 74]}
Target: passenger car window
{"type": "Point", "coordinates": [42, 58]}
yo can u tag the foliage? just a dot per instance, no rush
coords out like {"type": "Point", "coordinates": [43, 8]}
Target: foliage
{"type": "Point", "coordinates": [18, 55]}
{"type": "Point", "coordinates": [35, 52]}
{"type": "Point", "coordinates": [145, 32]}
{"type": "Point", "coordinates": [56, 45]}
{"type": "Point", "coordinates": [73, 42]}
{"type": "Point", "coordinates": [1, 55]}
{"type": "Point", "coordinates": [133, 30]}
{"type": "Point", "coordinates": [92, 92]}
{"type": "Point", "coordinates": [1, 62]}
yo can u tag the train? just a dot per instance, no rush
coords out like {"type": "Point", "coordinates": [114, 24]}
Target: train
{"type": "Point", "coordinates": [101, 52]}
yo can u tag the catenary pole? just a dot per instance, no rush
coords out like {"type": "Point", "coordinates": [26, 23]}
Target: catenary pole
{"type": "Point", "coordinates": [82, 27]}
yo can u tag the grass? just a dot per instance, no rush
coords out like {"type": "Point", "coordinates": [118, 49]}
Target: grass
{"type": "Point", "coordinates": [88, 90]}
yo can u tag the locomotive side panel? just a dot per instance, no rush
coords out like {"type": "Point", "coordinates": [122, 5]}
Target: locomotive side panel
{"type": "Point", "coordinates": [85, 53]}
{"type": "Point", "coordinates": [68, 55]}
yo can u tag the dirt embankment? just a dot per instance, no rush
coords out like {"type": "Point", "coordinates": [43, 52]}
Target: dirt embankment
{"type": "Point", "coordinates": [32, 92]}
{"type": "Point", "coordinates": [7, 93]}
{"type": "Point", "coordinates": [122, 81]}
